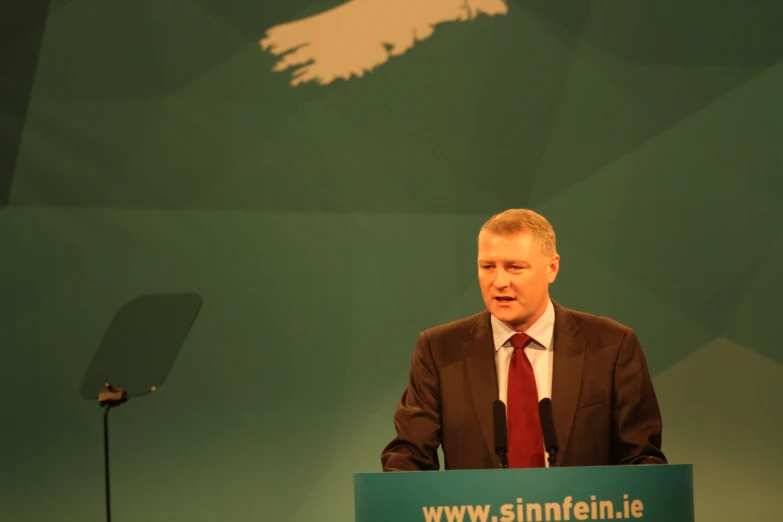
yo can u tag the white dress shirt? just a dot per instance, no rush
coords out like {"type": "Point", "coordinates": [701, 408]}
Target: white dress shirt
{"type": "Point", "coordinates": [539, 351]}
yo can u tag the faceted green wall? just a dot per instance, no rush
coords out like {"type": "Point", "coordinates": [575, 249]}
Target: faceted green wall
{"type": "Point", "coordinates": [327, 224]}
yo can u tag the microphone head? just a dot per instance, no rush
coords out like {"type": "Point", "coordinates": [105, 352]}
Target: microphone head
{"type": "Point", "coordinates": [547, 424]}
{"type": "Point", "coordinates": [499, 418]}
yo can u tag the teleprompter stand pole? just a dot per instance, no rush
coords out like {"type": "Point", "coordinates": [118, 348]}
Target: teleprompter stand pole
{"type": "Point", "coordinates": [109, 398]}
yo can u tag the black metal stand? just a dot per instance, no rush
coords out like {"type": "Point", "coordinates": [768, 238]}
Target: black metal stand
{"type": "Point", "coordinates": [503, 458]}
{"type": "Point", "coordinates": [552, 457]}
{"type": "Point", "coordinates": [109, 398]}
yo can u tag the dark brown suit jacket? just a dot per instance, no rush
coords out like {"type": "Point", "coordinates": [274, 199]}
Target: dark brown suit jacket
{"type": "Point", "coordinates": [604, 406]}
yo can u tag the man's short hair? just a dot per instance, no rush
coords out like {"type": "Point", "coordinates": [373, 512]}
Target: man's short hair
{"type": "Point", "coordinates": [518, 220]}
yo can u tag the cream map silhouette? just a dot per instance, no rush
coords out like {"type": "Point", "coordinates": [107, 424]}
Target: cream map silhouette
{"type": "Point", "coordinates": [360, 35]}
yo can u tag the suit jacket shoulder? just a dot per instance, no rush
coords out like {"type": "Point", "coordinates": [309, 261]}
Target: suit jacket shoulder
{"type": "Point", "coordinates": [446, 340]}
{"type": "Point", "coordinates": [461, 326]}
{"type": "Point", "coordinates": [600, 328]}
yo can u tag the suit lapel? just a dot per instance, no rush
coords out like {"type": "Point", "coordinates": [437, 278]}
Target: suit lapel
{"type": "Point", "coordinates": [566, 376]}
{"type": "Point", "coordinates": [482, 376]}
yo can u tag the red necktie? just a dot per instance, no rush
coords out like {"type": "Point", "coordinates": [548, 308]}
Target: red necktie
{"type": "Point", "coordinates": [525, 441]}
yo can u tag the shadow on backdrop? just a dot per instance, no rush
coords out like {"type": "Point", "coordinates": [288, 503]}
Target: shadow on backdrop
{"type": "Point", "coordinates": [21, 34]}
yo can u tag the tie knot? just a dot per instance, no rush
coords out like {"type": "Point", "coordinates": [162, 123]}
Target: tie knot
{"type": "Point", "coordinates": [520, 340]}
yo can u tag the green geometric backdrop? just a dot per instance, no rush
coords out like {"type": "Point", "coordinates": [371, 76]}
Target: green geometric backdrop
{"type": "Point", "coordinates": [326, 225]}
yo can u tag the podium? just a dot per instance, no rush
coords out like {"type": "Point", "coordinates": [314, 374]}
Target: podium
{"type": "Point", "coordinates": [651, 493]}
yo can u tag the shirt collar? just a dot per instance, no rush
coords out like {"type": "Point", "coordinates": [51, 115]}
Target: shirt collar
{"type": "Point", "coordinates": [541, 331]}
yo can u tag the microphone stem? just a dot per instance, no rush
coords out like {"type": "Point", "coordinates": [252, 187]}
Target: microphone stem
{"type": "Point", "coordinates": [552, 458]}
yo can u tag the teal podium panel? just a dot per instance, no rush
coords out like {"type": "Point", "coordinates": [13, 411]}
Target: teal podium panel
{"type": "Point", "coordinates": [651, 493]}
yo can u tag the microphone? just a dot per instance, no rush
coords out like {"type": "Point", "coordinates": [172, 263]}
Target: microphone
{"type": "Point", "coordinates": [501, 435]}
{"type": "Point", "coordinates": [548, 429]}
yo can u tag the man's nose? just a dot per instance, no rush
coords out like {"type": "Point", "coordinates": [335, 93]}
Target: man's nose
{"type": "Point", "coordinates": [501, 279]}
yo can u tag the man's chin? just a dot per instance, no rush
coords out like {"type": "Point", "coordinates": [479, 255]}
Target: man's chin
{"type": "Point", "coordinates": [505, 314]}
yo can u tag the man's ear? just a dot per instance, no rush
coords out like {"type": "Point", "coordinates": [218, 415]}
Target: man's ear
{"type": "Point", "coordinates": [553, 268]}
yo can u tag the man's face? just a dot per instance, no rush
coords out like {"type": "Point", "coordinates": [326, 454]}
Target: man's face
{"type": "Point", "coordinates": [515, 277]}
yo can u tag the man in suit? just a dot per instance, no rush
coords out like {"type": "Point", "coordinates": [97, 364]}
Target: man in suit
{"type": "Point", "coordinates": [522, 348]}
